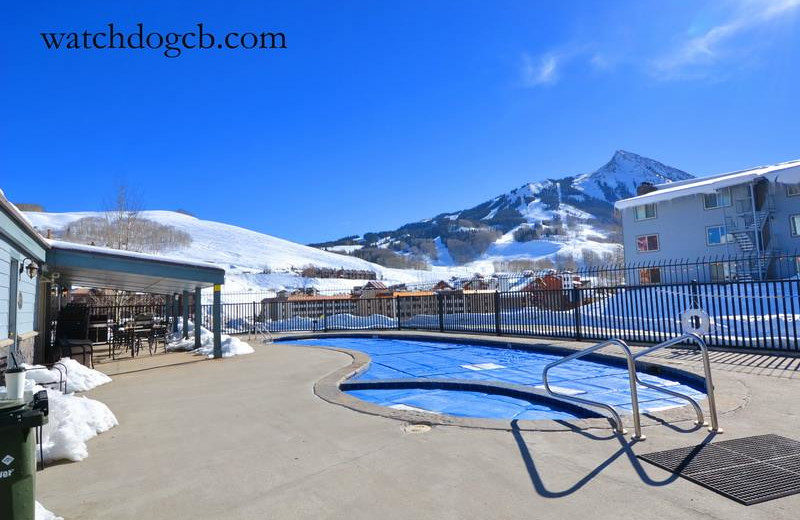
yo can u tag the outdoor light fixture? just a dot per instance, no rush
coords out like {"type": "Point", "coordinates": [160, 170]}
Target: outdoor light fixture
{"type": "Point", "coordinates": [32, 268]}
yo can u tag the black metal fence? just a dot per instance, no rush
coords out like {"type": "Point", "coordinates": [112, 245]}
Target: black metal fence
{"type": "Point", "coordinates": [597, 303]}
{"type": "Point", "coordinates": [761, 315]}
{"type": "Point", "coordinates": [709, 269]}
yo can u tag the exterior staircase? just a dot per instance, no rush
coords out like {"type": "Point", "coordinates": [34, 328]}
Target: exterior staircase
{"type": "Point", "coordinates": [744, 235]}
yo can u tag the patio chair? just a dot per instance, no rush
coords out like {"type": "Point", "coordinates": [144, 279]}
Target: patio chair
{"type": "Point", "coordinates": [72, 334]}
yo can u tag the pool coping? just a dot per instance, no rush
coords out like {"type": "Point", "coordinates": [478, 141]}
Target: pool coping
{"type": "Point", "coordinates": [329, 387]}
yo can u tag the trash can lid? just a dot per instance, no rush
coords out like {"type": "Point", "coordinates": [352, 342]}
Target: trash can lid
{"type": "Point", "coordinates": [10, 405]}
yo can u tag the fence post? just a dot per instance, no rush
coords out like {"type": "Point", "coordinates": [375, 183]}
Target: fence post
{"type": "Point", "coordinates": [255, 317]}
{"type": "Point", "coordinates": [397, 311]}
{"type": "Point", "coordinates": [693, 290]}
{"type": "Point", "coordinates": [576, 301]}
{"type": "Point", "coordinates": [693, 286]}
{"type": "Point", "coordinates": [325, 315]}
{"type": "Point", "coordinates": [440, 301]}
{"type": "Point", "coordinates": [497, 313]}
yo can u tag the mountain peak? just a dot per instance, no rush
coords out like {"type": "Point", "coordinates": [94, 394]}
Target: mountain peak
{"type": "Point", "coordinates": [532, 220]}
{"type": "Point", "coordinates": [620, 176]}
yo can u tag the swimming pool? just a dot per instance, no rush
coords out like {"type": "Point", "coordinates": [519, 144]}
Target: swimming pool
{"type": "Point", "coordinates": [394, 360]}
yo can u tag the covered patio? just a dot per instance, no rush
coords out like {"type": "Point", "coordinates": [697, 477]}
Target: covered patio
{"type": "Point", "coordinates": [77, 265]}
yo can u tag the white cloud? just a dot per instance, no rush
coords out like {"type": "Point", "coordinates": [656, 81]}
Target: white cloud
{"type": "Point", "coordinates": [542, 71]}
{"type": "Point", "coordinates": [713, 45]}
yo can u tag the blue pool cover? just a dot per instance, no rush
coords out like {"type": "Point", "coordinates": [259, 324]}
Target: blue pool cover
{"type": "Point", "coordinates": [410, 359]}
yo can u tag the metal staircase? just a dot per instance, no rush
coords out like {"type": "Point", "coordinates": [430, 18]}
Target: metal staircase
{"type": "Point", "coordinates": [746, 229]}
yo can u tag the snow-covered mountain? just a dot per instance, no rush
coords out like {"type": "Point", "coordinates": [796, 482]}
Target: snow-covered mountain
{"type": "Point", "coordinates": [620, 176]}
{"type": "Point", "coordinates": [252, 260]}
{"type": "Point", "coordinates": [567, 216]}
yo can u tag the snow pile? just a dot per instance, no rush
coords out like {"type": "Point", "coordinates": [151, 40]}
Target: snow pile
{"type": "Point", "coordinates": [350, 321]}
{"type": "Point", "coordinates": [42, 513]}
{"type": "Point", "coordinates": [230, 346]}
{"type": "Point", "coordinates": [344, 321]}
{"type": "Point", "coordinates": [73, 420]}
{"type": "Point", "coordinates": [80, 378]}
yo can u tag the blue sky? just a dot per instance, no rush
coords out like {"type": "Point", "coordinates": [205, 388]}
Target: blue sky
{"type": "Point", "coordinates": [381, 113]}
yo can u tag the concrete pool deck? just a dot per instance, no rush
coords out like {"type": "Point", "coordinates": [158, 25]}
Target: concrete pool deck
{"type": "Point", "coordinates": [246, 437]}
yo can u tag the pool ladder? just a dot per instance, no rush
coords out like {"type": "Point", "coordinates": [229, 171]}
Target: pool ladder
{"type": "Point", "coordinates": [633, 379]}
{"type": "Point", "coordinates": [263, 333]}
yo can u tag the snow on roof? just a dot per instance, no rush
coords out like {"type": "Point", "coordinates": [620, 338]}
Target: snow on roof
{"type": "Point", "coordinates": [787, 172]}
{"type": "Point", "coordinates": [71, 246]}
{"type": "Point", "coordinates": [374, 284]}
{"type": "Point", "coordinates": [21, 219]}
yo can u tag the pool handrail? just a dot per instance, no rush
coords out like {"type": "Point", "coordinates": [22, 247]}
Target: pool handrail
{"type": "Point", "coordinates": [712, 404]}
{"type": "Point", "coordinates": [618, 426]}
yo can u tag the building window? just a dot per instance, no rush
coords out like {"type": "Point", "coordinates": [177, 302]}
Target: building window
{"type": "Point", "coordinates": [720, 199]}
{"type": "Point", "coordinates": [794, 221]}
{"type": "Point", "coordinates": [716, 236]}
{"type": "Point", "coordinates": [650, 276]}
{"type": "Point", "coordinates": [644, 212]}
{"type": "Point", "coordinates": [793, 190]}
{"type": "Point", "coordinates": [647, 243]}
{"type": "Point", "coordinates": [723, 271]}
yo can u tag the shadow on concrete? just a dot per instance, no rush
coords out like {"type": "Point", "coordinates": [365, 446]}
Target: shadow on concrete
{"type": "Point", "coordinates": [676, 426]}
{"type": "Point", "coordinates": [775, 364]}
{"type": "Point", "coordinates": [625, 450]}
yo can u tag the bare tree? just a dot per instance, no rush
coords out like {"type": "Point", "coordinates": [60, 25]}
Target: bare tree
{"type": "Point", "coordinates": [122, 217]}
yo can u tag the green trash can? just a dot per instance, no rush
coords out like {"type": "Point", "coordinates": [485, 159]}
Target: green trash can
{"type": "Point", "coordinates": [18, 420]}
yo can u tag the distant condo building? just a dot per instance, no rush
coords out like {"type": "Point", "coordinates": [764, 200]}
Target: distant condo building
{"type": "Point", "coordinates": [753, 214]}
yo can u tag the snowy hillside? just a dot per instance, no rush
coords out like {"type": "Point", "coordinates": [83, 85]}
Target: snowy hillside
{"type": "Point", "coordinates": [563, 217]}
{"type": "Point", "coordinates": [252, 260]}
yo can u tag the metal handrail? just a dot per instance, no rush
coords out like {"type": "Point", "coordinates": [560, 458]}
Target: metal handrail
{"type": "Point", "coordinates": [712, 404]}
{"type": "Point", "coordinates": [263, 333]}
{"type": "Point", "coordinates": [618, 427]}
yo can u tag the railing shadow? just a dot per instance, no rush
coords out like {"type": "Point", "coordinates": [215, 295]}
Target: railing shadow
{"type": "Point", "coordinates": [674, 427]}
{"type": "Point", "coordinates": [625, 450]}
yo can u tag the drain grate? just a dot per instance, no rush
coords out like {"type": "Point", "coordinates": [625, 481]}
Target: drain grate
{"type": "Point", "coordinates": [749, 470]}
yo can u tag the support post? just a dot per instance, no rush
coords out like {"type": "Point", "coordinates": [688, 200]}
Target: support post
{"type": "Point", "coordinates": [198, 316]}
{"type": "Point", "coordinates": [217, 321]}
{"type": "Point", "coordinates": [185, 304]}
{"type": "Point", "coordinates": [173, 310]}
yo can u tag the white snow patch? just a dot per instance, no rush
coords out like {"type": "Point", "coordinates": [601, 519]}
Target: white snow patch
{"type": "Point", "coordinates": [443, 256]}
{"type": "Point", "coordinates": [562, 390]}
{"type": "Point", "coordinates": [71, 422]}
{"type": "Point", "coordinates": [231, 346]}
{"type": "Point", "coordinates": [412, 408]}
{"type": "Point", "coordinates": [483, 366]}
{"type": "Point", "coordinates": [80, 378]}
{"type": "Point", "coordinates": [42, 513]}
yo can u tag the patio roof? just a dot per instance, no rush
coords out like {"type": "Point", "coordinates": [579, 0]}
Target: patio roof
{"type": "Point", "coordinates": [100, 267]}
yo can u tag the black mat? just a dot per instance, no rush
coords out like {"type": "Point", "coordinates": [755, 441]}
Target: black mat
{"type": "Point", "coordinates": [749, 470]}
